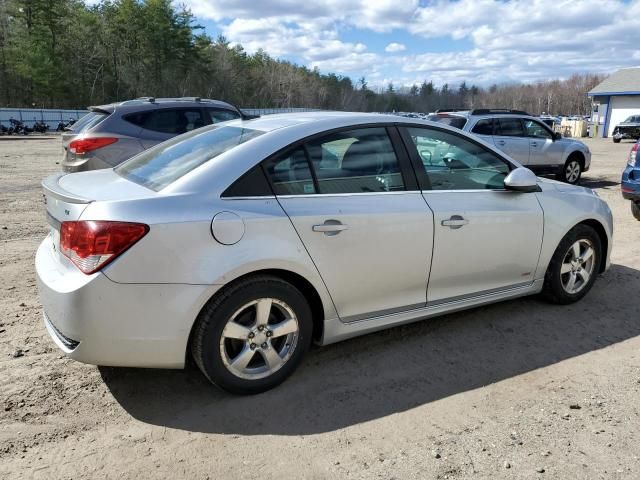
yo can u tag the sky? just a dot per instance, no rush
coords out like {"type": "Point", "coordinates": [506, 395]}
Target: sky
{"type": "Point", "coordinates": [408, 41]}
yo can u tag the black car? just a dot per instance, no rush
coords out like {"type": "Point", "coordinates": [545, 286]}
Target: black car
{"type": "Point", "coordinates": [629, 129]}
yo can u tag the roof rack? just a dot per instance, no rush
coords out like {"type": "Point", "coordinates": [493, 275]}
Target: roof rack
{"type": "Point", "coordinates": [147, 99]}
{"type": "Point", "coordinates": [451, 110]}
{"type": "Point", "coordinates": [499, 111]}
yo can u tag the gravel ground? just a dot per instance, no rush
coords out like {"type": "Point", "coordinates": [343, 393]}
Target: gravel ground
{"type": "Point", "coordinates": [520, 389]}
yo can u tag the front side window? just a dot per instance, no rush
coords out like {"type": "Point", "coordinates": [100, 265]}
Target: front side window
{"type": "Point", "coordinates": [163, 164]}
{"type": "Point", "coordinates": [356, 161]}
{"type": "Point", "coordinates": [536, 130]}
{"type": "Point", "coordinates": [452, 162]}
{"type": "Point", "coordinates": [290, 174]}
{"type": "Point", "coordinates": [510, 127]}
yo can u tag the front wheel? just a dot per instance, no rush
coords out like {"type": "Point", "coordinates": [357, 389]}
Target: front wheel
{"type": "Point", "coordinates": [574, 266]}
{"type": "Point", "coordinates": [252, 335]}
{"type": "Point", "coordinates": [616, 140]}
{"type": "Point", "coordinates": [572, 170]}
{"type": "Point", "coordinates": [635, 210]}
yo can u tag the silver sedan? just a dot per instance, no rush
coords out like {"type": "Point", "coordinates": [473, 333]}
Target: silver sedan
{"type": "Point", "coordinates": [243, 243]}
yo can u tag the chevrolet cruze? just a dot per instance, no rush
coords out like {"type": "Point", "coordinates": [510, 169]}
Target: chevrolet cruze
{"type": "Point", "coordinates": [243, 243]}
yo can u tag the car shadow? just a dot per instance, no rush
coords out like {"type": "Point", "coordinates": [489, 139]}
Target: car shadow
{"type": "Point", "coordinates": [392, 371]}
{"type": "Point", "coordinates": [591, 182]}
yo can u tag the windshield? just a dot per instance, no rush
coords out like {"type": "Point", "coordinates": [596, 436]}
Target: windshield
{"type": "Point", "coordinates": [632, 119]}
{"type": "Point", "coordinates": [451, 120]}
{"type": "Point", "coordinates": [165, 163]}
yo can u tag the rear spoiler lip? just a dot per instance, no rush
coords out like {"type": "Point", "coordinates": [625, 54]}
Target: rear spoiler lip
{"type": "Point", "coordinates": [107, 110]}
{"type": "Point", "coordinates": [52, 187]}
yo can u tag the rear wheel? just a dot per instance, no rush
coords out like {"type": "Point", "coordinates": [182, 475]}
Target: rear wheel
{"type": "Point", "coordinates": [574, 266]}
{"type": "Point", "coordinates": [253, 335]}
{"type": "Point", "coordinates": [616, 140]}
{"type": "Point", "coordinates": [635, 209]}
{"type": "Point", "coordinates": [572, 170]}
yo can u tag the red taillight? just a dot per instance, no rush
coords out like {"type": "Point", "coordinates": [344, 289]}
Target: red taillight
{"type": "Point", "coordinates": [92, 244]}
{"type": "Point", "coordinates": [81, 146]}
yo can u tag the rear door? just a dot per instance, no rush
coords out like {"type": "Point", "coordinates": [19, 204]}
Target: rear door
{"type": "Point", "coordinates": [486, 238]}
{"type": "Point", "coordinates": [511, 139]}
{"type": "Point", "coordinates": [360, 216]}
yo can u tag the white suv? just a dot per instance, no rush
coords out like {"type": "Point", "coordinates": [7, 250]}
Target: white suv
{"type": "Point", "coordinates": [525, 138]}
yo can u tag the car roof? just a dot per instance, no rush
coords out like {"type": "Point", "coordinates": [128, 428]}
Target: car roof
{"type": "Point", "coordinates": [149, 103]}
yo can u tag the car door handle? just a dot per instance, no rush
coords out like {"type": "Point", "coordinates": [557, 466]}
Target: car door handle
{"type": "Point", "coordinates": [500, 142]}
{"type": "Point", "coordinates": [456, 221]}
{"type": "Point", "coordinates": [534, 144]}
{"type": "Point", "coordinates": [330, 227]}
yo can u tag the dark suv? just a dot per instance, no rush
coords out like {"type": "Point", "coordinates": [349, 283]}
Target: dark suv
{"type": "Point", "coordinates": [110, 134]}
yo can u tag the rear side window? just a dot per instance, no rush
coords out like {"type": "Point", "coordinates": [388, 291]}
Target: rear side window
{"type": "Point", "coordinates": [290, 174]}
{"type": "Point", "coordinates": [451, 120]}
{"type": "Point", "coordinates": [89, 121]}
{"type": "Point", "coordinates": [166, 162]}
{"type": "Point", "coordinates": [484, 127]}
{"type": "Point", "coordinates": [219, 115]}
{"type": "Point", "coordinates": [510, 127]}
{"type": "Point", "coordinates": [356, 161]}
{"type": "Point", "coordinates": [169, 120]}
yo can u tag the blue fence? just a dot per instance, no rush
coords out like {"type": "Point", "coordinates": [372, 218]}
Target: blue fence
{"type": "Point", "coordinates": [30, 115]}
{"type": "Point", "coordinates": [53, 117]}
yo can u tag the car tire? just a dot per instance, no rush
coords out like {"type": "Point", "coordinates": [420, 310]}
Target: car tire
{"type": "Point", "coordinates": [572, 170]}
{"type": "Point", "coordinates": [571, 273]}
{"type": "Point", "coordinates": [616, 140]}
{"type": "Point", "coordinates": [252, 335]}
{"type": "Point", "coordinates": [635, 210]}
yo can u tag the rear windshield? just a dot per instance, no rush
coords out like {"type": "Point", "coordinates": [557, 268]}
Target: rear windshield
{"type": "Point", "coordinates": [451, 120]}
{"type": "Point", "coordinates": [165, 163]}
{"type": "Point", "coordinates": [90, 120]}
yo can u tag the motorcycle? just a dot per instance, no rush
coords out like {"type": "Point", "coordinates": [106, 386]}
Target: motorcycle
{"type": "Point", "coordinates": [40, 127]}
{"type": "Point", "coordinates": [62, 126]}
{"type": "Point", "coordinates": [3, 130]}
{"type": "Point", "coordinates": [17, 127]}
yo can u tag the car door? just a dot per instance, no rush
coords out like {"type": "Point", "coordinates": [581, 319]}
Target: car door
{"type": "Point", "coordinates": [486, 238]}
{"type": "Point", "coordinates": [360, 216]}
{"type": "Point", "coordinates": [542, 149]}
{"type": "Point", "coordinates": [510, 138]}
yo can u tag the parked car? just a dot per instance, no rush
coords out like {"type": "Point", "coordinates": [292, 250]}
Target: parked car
{"type": "Point", "coordinates": [240, 243]}
{"type": "Point", "coordinates": [629, 129]}
{"type": "Point", "coordinates": [110, 134]}
{"type": "Point", "coordinates": [524, 138]}
{"type": "Point", "coordinates": [631, 180]}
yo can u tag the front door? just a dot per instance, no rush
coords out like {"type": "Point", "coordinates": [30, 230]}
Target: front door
{"type": "Point", "coordinates": [510, 138]}
{"type": "Point", "coordinates": [543, 152]}
{"type": "Point", "coordinates": [486, 238]}
{"type": "Point", "coordinates": [368, 235]}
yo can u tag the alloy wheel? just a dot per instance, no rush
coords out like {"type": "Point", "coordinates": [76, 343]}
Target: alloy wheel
{"type": "Point", "coordinates": [259, 338]}
{"type": "Point", "coordinates": [578, 266]}
{"type": "Point", "coordinates": [572, 171]}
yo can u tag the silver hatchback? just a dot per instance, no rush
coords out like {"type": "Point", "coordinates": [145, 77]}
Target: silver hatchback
{"type": "Point", "coordinates": [110, 134]}
{"type": "Point", "coordinates": [242, 243]}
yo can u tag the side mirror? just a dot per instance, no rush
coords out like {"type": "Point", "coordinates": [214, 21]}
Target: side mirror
{"type": "Point", "coordinates": [522, 180]}
{"type": "Point", "coordinates": [557, 136]}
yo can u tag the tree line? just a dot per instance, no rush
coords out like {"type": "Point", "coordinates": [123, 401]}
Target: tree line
{"type": "Point", "coordinates": [66, 54]}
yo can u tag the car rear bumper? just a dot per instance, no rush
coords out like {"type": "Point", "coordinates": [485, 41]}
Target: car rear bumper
{"type": "Point", "coordinates": [97, 321]}
{"type": "Point", "coordinates": [72, 163]}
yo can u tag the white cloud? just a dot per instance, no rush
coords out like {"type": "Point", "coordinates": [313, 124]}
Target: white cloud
{"type": "Point", "coordinates": [394, 47]}
{"type": "Point", "coordinates": [518, 40]}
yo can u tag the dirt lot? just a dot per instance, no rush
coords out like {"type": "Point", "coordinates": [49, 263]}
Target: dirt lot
{"type": "Point", "coordinates": [521, 389]}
